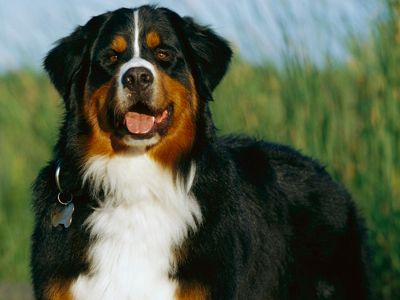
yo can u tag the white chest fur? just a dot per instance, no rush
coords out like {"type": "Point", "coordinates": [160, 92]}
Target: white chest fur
{"type": "Point", "coordinates": [144, 214]}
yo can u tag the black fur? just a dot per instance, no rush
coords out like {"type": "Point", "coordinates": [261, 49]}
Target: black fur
{"type": "Point", "coordinates": [275, 225]}
{"type": "Point", "coordinates": [291, 231]}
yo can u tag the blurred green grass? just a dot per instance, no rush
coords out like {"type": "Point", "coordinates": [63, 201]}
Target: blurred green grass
{"type": "Point", "coordinates": [29, 114]}
{"type": "Point", "coordinates": [347, 115]}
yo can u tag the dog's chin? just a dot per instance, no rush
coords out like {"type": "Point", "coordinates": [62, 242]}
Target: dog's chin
{"type": "Point", "coordinates": [140, 143]}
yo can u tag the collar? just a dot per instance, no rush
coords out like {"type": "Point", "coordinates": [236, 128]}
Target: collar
{"type": "Point", "coordinates": [62, 196]}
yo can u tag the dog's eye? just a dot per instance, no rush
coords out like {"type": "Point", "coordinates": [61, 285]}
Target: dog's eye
{"type": "Point", "coordinates": [113, 58]}
{"type": "Point", "coordinates": [163, 55]}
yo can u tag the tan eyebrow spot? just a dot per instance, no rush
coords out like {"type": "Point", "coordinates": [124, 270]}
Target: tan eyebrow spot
{"type": "Point", "coordinates": [153, 39]}
{"type": "Point", "coordinates": [119, 44]}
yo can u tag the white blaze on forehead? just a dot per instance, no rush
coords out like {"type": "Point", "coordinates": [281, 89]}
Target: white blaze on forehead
{"type": "Point", "coordinates": [136, 60]}
{"type": "Point", "coordinates": [136, 48]}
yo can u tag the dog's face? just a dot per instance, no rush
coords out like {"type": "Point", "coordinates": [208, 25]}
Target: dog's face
{"type": "Point", "coordinates": [138, 79]}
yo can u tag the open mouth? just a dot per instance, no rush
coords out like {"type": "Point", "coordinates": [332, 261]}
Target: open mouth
{"type": "Point", "coordinates": [141, 122]}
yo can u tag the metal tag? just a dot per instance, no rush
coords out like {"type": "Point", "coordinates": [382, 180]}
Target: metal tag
{"type": "Point", "coordinates": [62, 215]}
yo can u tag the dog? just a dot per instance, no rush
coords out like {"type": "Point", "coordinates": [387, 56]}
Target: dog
{"type": "Point", "coordinates": [142, 199]}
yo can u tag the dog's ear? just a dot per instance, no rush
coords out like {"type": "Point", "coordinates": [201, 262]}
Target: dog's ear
{"type": "Point", "coordinates": [207, 53]}
{"type": "Point", "coordinates": [210, 52]}
{"type": "Point", "coordinates": [65, 60]}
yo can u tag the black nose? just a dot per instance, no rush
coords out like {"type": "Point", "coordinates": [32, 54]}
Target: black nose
{"type": "Point", "coordinates": [138, 78]}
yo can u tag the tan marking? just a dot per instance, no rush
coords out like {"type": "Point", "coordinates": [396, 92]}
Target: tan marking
{"type": "Point", "coordinates": [58, 290]}
{"type": "Point", "coordinates": [193, 91]}
{"type": "Point", "coordinates": [119, 44]}
{"type": "Point", "coordinates": [191, 291]}
{"type": "Point", "coordinates": [153, 39]}
{"type": "Point", "coordinates": [100, 141]}
{"type": "Point", "coordinates": [181, 133]}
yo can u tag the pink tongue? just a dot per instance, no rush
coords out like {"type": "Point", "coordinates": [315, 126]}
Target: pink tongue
{"type": "Point", "coordinates": [139, 123]}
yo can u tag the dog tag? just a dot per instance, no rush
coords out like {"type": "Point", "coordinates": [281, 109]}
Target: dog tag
{"type": "Point", "coordinates": [62, 215]}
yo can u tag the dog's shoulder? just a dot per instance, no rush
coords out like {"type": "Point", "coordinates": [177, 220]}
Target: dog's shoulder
{"type": "Point", "coordinates": [302, 183]}
{"type": "Point", "coordinates": [260, 160]}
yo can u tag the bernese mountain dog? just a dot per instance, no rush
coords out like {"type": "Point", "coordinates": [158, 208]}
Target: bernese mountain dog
{"type": "Point", "coordinates": [142, 199]}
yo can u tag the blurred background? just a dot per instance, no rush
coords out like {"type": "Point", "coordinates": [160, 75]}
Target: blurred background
{"type": "Point", "coordinates": [320, 75]}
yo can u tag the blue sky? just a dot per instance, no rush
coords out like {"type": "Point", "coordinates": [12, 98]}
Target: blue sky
{"type": "Point", "coordinates": [259, 29]}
